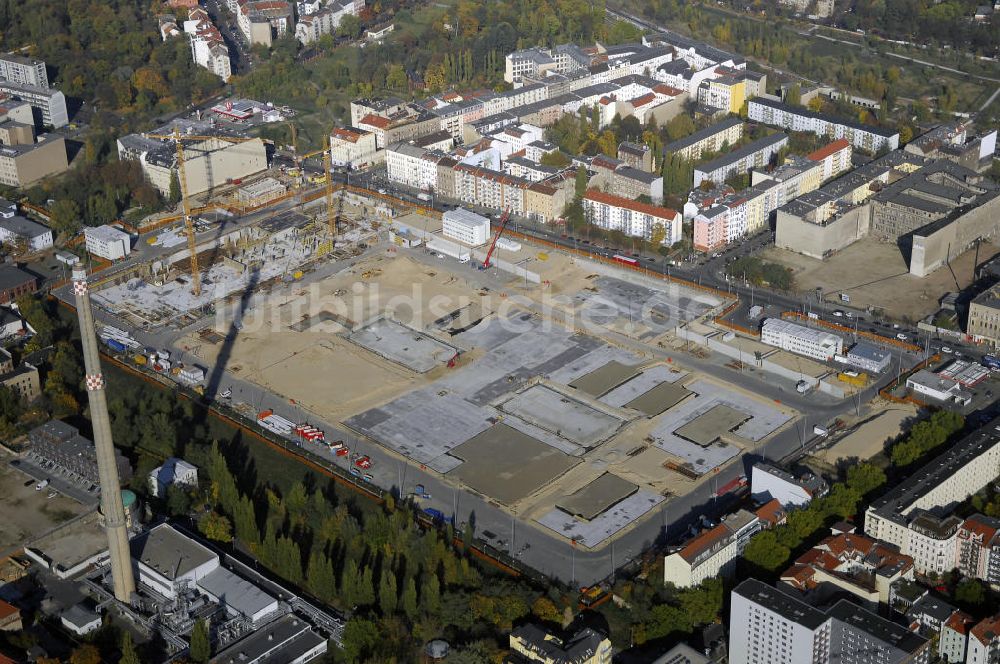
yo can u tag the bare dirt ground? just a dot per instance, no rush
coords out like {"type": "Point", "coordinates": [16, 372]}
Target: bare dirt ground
{"type": "Point", "coordinates": [870, 438]}
{"type": "Point", "coordinates": [25, 513]}
{"type": "Point", "coordinates": [875, 274]}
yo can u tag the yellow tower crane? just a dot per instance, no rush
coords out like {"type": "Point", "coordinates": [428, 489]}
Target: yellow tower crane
{"type": "Point", "coordinates": [179, 139]}
{"type": "Point", "coordinates": [327, 153]}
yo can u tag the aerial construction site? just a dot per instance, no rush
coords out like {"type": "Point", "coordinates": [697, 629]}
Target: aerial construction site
{"type": "Point", "coordinates": [549, 384]}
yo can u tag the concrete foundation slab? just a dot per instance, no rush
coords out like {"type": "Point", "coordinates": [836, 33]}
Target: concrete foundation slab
{"type": "Point", "coordinates": [606, 378]}
{"type": "Point", "coordinates": [403, 345]}
{"type": "Point", "coordinates": [598, 496]}
{"type": "Point", "coordinates": [659, 398]}
{"type": "Point", "coordinates": [712, 424]}
{"type": "Point", "coordinates": [546, 408]}
{"type": "Point", "coordinates": [607, 524]}
{"type": "Point", "coordinates": [507, 465]}
{"type": "Point", "coordinates": [641, 384]}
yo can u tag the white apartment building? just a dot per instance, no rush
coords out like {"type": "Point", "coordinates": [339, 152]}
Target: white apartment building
{"type": "Point", "coordinates": [984, 642]}
{"type": "Point", "coordinates": [530, 62]}
{"type": "Point", "coordinates": [208, 49]}
{"type": "Point", "coordinates": [769, 626]}
{"type": "Point", "coordinates": [107, 242]}
{"type": "Point", "coordinates": [632, 217]}
{"type": "Point", "coordinates": [862, 137]}
{"type": "Point", "coordinates": [406, 165]}
{"type": "Point", "coordinates": [512, 139]}
{"type": "Point", "coordinates": [465, 226]}
{"type": "Point", "coordinates": [800, 339]}
{"type": "Point", "coordinates": [51, 104]}
{"type": "Point", "coordinates": [709, 139]}
{"type": "Point", "coordinates": [753, 155]}
{"type": "Point", "coordinates": [906, 516]}
{"type": "Point", "coordinates": [23, 71]}
{"type": "Point", "coordinates": [261, 21]}
{"type": "Point", "coordinates": [490, 188]}
{"type": "Point", "coordinates": [712, 553]}
{"type": "Point", "coordinates": [354, 148]}
{"type": "Point", "coordinates": [834, 158]}
{"type": "Point", "coordinates": [325, 21]}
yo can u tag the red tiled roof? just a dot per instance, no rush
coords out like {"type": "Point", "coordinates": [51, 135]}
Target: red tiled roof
{"type": "Point", "coordinates": [618, 201]}
{"type": "Point", "coordinates": [375, 121]}
{"type": "Point", "coordinates": [347, 134]}
{"type": "Point", "coordinates": [959, 621]}
{"type": "Point", "coordinates": [643, 100]}
{"type": "Point", "coordinates": [704, 541]}
{"type": "Point", "coordinates": [987, 630]}
{"type": "Point", "coordinates": [828, 150]}
{"type": "Point", "coordinates": [7, 610]}
{"type": "Point", "coordinates": [665, 89]}
{"type": "Point", "coordinates": [977, 527]}
{"type": "Point", "coordinates": [772, 512]}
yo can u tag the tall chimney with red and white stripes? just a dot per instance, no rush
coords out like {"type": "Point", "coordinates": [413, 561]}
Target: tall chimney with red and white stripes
{"type": "Point", "coordinates": [107, 469]}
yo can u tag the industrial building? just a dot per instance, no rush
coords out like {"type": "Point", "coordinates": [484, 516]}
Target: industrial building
{"type": "Point", "coordinates": [770, 483]}
{"type": "Point", "coordinates": [107, 242]}
{"type": "Point", "coordinates": [24, 164]}
{"type": "Point", "coordinates": [69, 453]}
{"type": "Point", "coordinates": [465, 226]}
{"type": "Point", "coordinates": [909, 515]}
{"type": "Point", "coordinates": [776, 625]}
{"type": "Point", "coordinates": [30, 235]}
{"type": "Point", "coordinates": [260, 192]}
{"type": "Point", "coordinates": [713, 553]}
{"type": "Point", "coordinates": [869, 357]}
{"type": "Point", "coordinates": [207, 164]}
{"type": "Point", "coordinates": [289, 640]}
{"type": "Point", "coordinates": [15, 282]}
{"type": "Point", "coordinates": [800, 339]}
{"type": "Point", "coordinates": [929, 384]}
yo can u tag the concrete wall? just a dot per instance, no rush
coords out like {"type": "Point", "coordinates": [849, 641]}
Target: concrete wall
{"type": "Point", "coordinates": [820, 240]}
{"type": "Point", "coordinates": [931, 251]}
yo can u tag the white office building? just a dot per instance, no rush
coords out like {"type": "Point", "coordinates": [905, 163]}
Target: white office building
{"type": "Point", "coordinates": [465, 226]}
{"type": "Point", "coordinates": [869, 357]}
{"type": "Point", "coordinates": [107, 242]}
{"type": "Point", "coordinates": [801, 339]}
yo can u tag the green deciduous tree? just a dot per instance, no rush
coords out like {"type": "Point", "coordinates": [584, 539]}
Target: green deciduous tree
{"type": "Point", "coordinates": [200, 647]}
{"type": "Point", "coordinates": [215, 527]}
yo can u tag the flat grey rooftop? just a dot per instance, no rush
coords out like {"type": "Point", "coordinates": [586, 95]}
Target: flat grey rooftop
{"type": "Point", "coordinates": [699, 459]}
{"type": "Point", "coordinates": [403, 345]}
{"type": "Point", "coordinates": [606, 378]}
{"type": "Point", "coordinates": [641, 384]}
{"type": "Point", "coordinates": [597, 496]}
{"type": "Point", "coordinates": [236, 592]}
{"type": "Point", "coordinates": [712, 424]}
{"type": "Point", "coordinates": [507, 465]}
{"type": "Point", "coordinates": [592, 533]}
{"type": "Point", "coordinates": [560, 414]}
{"type": "Point", "coordinates": [658, 399]}
{"type": "Point", "coordinates": [169, 553]}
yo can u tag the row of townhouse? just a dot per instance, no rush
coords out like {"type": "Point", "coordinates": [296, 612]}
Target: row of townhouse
{"type": "Point", "coordinates": [325, 19]}
{"type": "Point", "coordinates": [724, 218]}
{"type": "Point", "coordinates": [635, 219]}
{"type": "Point", "coordinates": [208, 48]}
{"type": "Point", "coordinates": [793, 118]}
